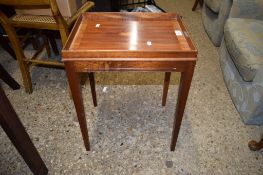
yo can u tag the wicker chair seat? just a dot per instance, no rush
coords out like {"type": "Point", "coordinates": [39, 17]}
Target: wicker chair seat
{"type": "Point", "coordinates": [33, 18]}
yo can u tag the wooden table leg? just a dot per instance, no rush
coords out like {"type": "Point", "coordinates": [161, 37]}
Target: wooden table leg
{"type": "Point", "coordinates": [93, 88]}
{"type": "Point", "coordinates": [166, 87]}
{"type": "Point", "coordinates": [255, 146]}
{"type": "Point", "coordinates": [185, 82]}
{"type": "Point", "coordinates": [75, 87]}
{"type": "Point", "coordinates": [19, 137]}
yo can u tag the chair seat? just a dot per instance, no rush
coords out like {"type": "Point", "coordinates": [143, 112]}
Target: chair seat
{"type": "Point", "coordinates": [35, 21]}
{"type": "Point", "coordinates": [34, 18]}
{"type": "Point", "coordinates": [214, 5]}
{"type": "Point", "coordinates": [244, 38]}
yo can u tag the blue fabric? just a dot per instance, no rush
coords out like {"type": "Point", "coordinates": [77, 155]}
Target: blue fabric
{"type": "Point", "coordinates": [244, 41]}
{"type": "Point", "coordinates": [214, 22]}
{"type": "Point", "coordinates": [252, 9]}
{"type": "Point", "coordinates": [241, 59]}
{"type": "Point", "coordinates": [246, 96]}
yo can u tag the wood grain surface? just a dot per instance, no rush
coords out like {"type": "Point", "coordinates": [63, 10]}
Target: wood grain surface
{"type": "Point", "coordinates": [129, 35]}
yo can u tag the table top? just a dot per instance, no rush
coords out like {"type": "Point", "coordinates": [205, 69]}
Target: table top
{"type": "Point", "coordinates": [129, 36]}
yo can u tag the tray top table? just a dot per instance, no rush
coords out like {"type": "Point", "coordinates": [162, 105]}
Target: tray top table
{"type": "Point", "coordinates": [129, 42]}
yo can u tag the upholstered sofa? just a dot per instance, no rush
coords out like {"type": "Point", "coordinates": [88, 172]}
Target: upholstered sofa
{"type": "Point", "coordinates": [241, 59]}
{"type": "Point", "coordinates": [214, 15]}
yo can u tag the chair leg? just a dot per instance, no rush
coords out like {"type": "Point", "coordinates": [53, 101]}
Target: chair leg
{"type": "Point", "coordinates": [166, 87]}
{"type": "Point", "coordinates": [24, 68]}
{"type": "Point", "coordinates": [8, 79]}
{"type": "Point", "coordinates": [196, 3]}
{"type": "Point", "coordinates": [47, 46]}
{"type": "Point", "coordinates": [53, 43]}
{"type": "Point", "coordinates": [34, 43]}
{"type": "Point", "coordinates": [19, 137]}
{"type": "Point", "coordinates": [93, 88]}
{"type": "Point", "coordinates": [255, 146]}
{"type": "Point", "coordinates": [201, 2]}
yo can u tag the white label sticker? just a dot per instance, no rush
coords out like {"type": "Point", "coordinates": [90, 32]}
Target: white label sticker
{"type": "Point", "coordinates": [149, 43]}
{"type": "Point", "coordinates": [97, 25]}
{"type": "Point", "coordinates": [178, 33]}
{"type": "Point", "coordinates": [105, 89]}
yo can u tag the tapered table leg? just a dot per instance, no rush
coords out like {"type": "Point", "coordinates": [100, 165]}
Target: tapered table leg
{"type": "Point", "coordinates": [75, 87]}
{"type": "Point", "coordinates": [93, 88]}
{"type": "Point", "coordinates": [166, 87]}
{"type": "Point", "coordinates": [19, 137]}
{"type": "Point", "coordinates": [185, 82]}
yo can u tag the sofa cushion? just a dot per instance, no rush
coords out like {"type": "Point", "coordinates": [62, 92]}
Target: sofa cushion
{"type": "Point", "coordinates": [244, 38]}
{"type": "Point", "coordinates": [252, 9]}
{"type": "Point", "coordinates": [214, 5]}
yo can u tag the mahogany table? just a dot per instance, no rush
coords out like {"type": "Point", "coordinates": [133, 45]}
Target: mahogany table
{"type": "Point", "coordinates": [129, 42]}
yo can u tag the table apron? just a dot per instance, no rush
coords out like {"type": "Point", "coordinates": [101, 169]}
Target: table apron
{"type": "Point", "coordinates": [96, 66]}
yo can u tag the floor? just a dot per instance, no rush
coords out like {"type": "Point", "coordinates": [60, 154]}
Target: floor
{"type": "Point", "coordinates": [129, 130]}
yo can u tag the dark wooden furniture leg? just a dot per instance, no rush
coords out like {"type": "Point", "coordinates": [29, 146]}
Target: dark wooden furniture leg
{"type": "Point", "coordinates": [93, 88]}
{"type": "Point", "coordinates": [255, 146]}
{"type": "Point", "coordinates": [166, 87]}
{"type": "Point", "coordinates": [201, 2]}
{"type": "Point", "coordinates": [196, 3]}
{"type": "Point", "coordinates": [5, 45]}
{"type": "Point", "coordinates": [19, 137]}
{"type": "Point", "coordinates": [8, 79]}
{"type": "Point", "coordinates": [52, 41]}
{"type": "Point", "coordinates": [75, 87]}
{"type": "Point", "coordinates": [184, 87]}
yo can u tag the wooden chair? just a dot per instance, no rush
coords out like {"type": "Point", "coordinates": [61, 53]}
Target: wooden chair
{"type": "Point", "coordinates": [55, 23]}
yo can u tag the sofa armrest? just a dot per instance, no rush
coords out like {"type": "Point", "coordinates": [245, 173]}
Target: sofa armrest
{"type": "Point", "coordinates": [247, 9]}
{"type": "Point", "coordinates": [259, 76]}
